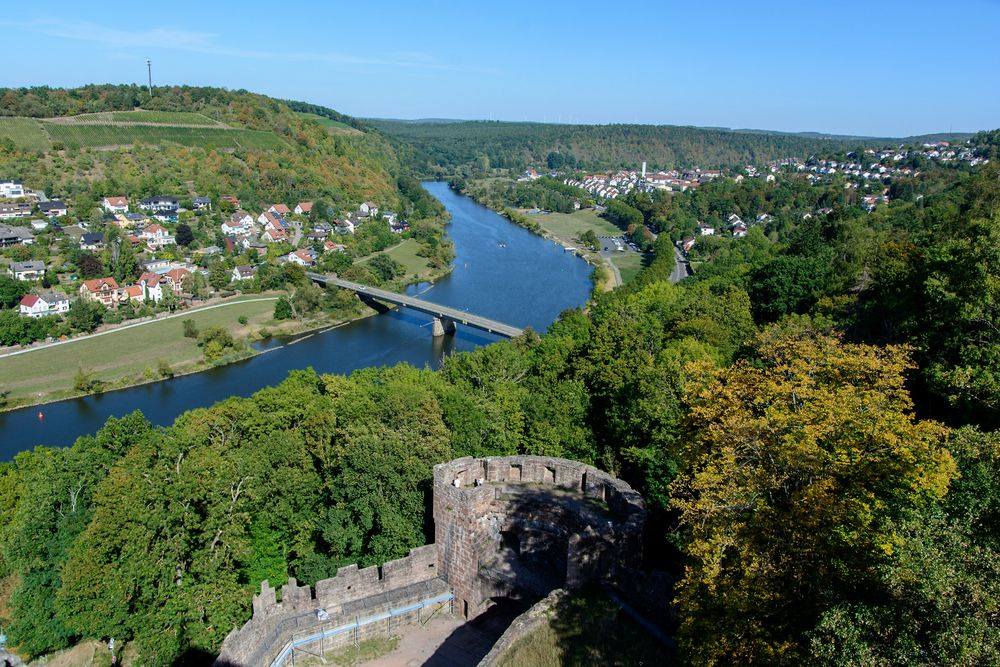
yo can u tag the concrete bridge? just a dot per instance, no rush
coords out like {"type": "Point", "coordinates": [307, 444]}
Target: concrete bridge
{"type": "Point", "coordinates": [445, 318]}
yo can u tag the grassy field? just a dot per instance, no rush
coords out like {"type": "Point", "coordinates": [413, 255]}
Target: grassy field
{"type": "Point", "coordinates": [24, 132]}
{"type": "Point", "coordinates": [569, 226]}
{"type": "Point", "coordinates": [330, 124]}
{"type": "Point", "coordinates": [406, 254]}
{"type": "Point", "coordinates": [586, 629]}
{"type": "Point", "coordinates": [629, 264]}
{"type": "Point", "coordinates": [49, 372]}
{"type": "Point", "coordinates": [111, 135]}
{"type": "Point", "coordinates": [165, 117]}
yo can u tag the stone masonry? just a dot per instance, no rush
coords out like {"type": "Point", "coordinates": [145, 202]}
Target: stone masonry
{"type": "Point", "coordinates": [514, 526]}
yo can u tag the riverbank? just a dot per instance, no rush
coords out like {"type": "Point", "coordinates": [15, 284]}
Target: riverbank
{"type": "Point", "coordinates": [606, 275]}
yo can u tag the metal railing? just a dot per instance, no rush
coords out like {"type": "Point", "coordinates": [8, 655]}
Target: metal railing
{"type": "Point", "coordinates": [288, 650]}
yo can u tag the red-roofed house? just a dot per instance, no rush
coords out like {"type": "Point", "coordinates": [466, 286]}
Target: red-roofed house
{"type": "Point", "coordinates": [304, 207]}
{"type": "Point", "coordinates": [150, 283]}
{"type": "Point", "coordinates": [104, 291]}
{"type": "Point", "coordinates": [135, 293]}
{"type": "Point", "coordinates": [156, 236]}
{"type": "Point", "coordinates": [40, 305]}
{"type": "Point", "coordinates": [279, 209]}
{"type": "Point", "coordinates": [302, 257]}
{"type": "Point", "coordinates": [115, 204]}
{"type": "Point", "coordinates": [175, 279]}
{"type": "Point", "coordinates": [272, 235]}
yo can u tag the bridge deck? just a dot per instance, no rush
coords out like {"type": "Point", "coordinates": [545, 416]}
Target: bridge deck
{"type": "Point", "coordinates": [433, 309]}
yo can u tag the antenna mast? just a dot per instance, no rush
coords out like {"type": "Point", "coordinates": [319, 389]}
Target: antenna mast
{"type": "Point", "coordinates": [149, 70]}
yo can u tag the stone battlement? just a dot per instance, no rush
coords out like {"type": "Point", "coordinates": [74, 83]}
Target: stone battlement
{"type": "Point", "coordinates": [509, 526]}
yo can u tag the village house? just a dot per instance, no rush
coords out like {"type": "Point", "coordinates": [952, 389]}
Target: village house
{"type": "Point", "coordinates": [11, 189]}
{"type": "Point", "coordinates": [273, 235]}
{"type": "Point", "coordinates": [368, 210]}
{"type": "Point", "coordinates": [156, 237]}
{"type": "Point", "coordinates": [150, 284]}
{"type": "Point", "coordinates": [330, 246]}
{"type": "Point", "coordinates": [687, 243]}
{"type": "Point", "coordinates": [345, 226]}
{"type": "Point", "coordinates": [134, 293]}
{"type": "Point", "coordinates": [160, 204]}
{"type": "Point", "coordinates": [15, 236]}
{"type": "Point", "coordinates": [202, 203]}
{"type": "Point", "coordinates": [32, 270]}
{"type": "Point", "coordinates": [39, 225]}
{"type": "Point", "coordinates": [104, 291]}
{"type": "Point", "coordinates": [52, 209]}
{"type": "Point", "coordinates": [305, 258]}
{"type": "Point", "coordinates": [115, 204]}
{"type": "Point", "coordinates": [14, 211]}
{"type": "Point", "coordinates": [229, 199]}
{"type": "Point", "coordinates": [705, 229]}
{"type": "Point", "coordinates": [244, 272]}
{"type": "Point", "coordinates": [175, 279]}
{"type": "Point", "coordinates": [279, 209]}
{"type": "Point", "coordinates": [92, 241]}
{"type": "Point", "coordinates": [304, 208]}
{"type": "Point", "coordinates": [44, 304]}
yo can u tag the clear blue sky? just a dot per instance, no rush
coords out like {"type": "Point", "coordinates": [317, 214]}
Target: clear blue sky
{"type": "Point", "coordinates": [879, 67]}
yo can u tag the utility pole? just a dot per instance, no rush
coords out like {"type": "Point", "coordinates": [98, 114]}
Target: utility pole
{"type": "Point", "coordinates": [149, 70]}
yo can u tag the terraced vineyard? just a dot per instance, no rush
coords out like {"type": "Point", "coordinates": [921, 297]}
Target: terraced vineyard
{"type": "Point", "coordinates": [334, 126]}
{"type": "Point", "coordinates": [25, 133]}
{"type": "Point", "coordinates": [28, 133]}
{"type": "Point", "coordinates": [165, 117]}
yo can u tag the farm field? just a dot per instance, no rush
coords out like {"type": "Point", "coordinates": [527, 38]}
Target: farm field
{"type": "Point", "coordinates": [330, 124]}
{"type": "Point", "coordinates": [86, 135]}
{"type": "Point", "coordinates": [24, 132]}
{"type": "Point", "coordinates": [124, 353]}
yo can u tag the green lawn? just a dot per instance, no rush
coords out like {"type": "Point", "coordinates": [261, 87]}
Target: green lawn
{"type": "Point", "coordinates": [123, 354]}
{"type": "Point", "coordinates": [112, 135]}
{"type": "Point", "coordinates": [586, 628]}
{"type": "Point", "coordinates": [629, 264]}
{"type": "Point", "coordinates": [24, 132]}
{"type": "Point", "coordinates": [406, 254]}
{"type": "Point", "coordinates": [569, 226]}
{"type": "Point", "coordinates": [165, 117]}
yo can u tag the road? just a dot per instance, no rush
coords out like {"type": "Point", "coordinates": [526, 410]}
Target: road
{"type": "Point", "coordinates": [443, 312]}
{"type": "Point", "coordinates": [681, 267]}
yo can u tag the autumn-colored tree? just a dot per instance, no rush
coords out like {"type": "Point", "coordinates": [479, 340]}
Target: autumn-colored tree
{"type": "Point", "coordinates": [794, 466]}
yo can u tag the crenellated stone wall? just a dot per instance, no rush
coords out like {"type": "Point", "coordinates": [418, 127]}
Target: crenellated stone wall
{"type": "Point", "coordinates": [512, 526]}
{"type": "Point", "coordinates": [527, 525]}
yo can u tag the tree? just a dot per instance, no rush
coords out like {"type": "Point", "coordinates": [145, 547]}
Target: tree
{"type": "Point", "coordinates": [90, 266]}
{"type": "Point", "coordinates": [320, 211]}
{"type": "Point", "coordinates": [385, 267]}
{"type": "Point", "coordinates": [794, 469]}
{"type": "Point", "coordinates": [184, 235]}
{"type": "Point", "coordinates": [11, 291]}
{"type": "Point", "coordinates": [219, 276]}
{"type": "Point", "coordinates": [190, 328]}
{"type": "Point", "coordinates": [84, 315]}
{"type": "Point", "coordinates": [283, 308]}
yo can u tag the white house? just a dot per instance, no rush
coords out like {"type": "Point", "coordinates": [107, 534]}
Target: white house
{"type": "Point", "coordinates": [115, 204]}
{"type": "Point", "coordinates": [244, 272]}
{"type": "Point", "coordinates": [304, 207]}
{"type": "Point", "coordinates": [40, 305]}
{"type": "Point", "coordinates": [156, 237]}
{"type": "Point", "coordinates": [32, 270]}
{"type": "Point", "coordinates": [11, 189]}
{"type": "Point", "coordinates": [152, 289]}
{"type": "Point", "coordinates": [302, 257]}
{"type": "Point", "coordinates": [368, 209]}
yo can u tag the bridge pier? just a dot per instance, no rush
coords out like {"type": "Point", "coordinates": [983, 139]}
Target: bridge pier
{"type": "Point", "coordinates": [442, 325]}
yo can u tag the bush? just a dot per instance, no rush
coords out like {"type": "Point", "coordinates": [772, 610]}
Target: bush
{"type": "Point", "coordinates": [283, 309]}
{"type": "Point", "coordinates": [190, 329]}
{"type": "Point", "coordinates": [243, 319]}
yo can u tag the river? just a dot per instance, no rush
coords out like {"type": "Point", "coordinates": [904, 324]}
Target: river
{"type": "Point", "coordinates": [501, 271]}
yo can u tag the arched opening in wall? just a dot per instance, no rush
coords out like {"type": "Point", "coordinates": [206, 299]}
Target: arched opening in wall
{"type": "Point", "coordinates": [549, 475]}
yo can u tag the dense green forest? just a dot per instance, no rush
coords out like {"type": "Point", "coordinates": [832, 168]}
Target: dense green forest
{"type": "Point", "coordinates": [448, 148]}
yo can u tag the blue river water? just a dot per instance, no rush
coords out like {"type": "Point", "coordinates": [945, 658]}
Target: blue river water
{"type": "Point", "coordinates": [500, 271]}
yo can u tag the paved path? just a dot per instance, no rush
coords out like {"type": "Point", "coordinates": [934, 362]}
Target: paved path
{"type": "Point", "coordinates": [681, 267]}
{"type": "Point", "coordinates": [185, 313]}
{"type": "Point", "coordinates": [443, 312]}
